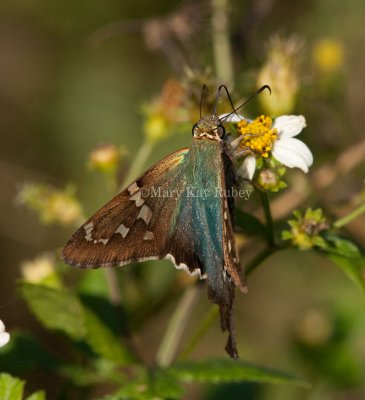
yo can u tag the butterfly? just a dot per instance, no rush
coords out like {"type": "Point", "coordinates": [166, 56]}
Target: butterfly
{"type": "Point", "coordinates": [180, 210]}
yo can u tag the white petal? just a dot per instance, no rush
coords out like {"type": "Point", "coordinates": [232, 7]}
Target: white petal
{"type": "Point", "coordinates": [293, 153]}
{"type": "Point", "coordinates": [232, 117]}
{"type": "Point", "coordinates": [4, 338]}
{"type": "Point", "coordinates": [2, 326]}
{"type": "Point", "coordinates": [289, 125]}
{"type": "Point", "coordinates": [248, 167]}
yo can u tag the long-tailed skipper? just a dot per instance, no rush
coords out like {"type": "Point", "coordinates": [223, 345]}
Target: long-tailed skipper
{"type": "Point", "coordinates": [192, 226]}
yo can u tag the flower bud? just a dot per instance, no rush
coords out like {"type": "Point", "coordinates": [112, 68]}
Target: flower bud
{"type": "Point", "coordinates": [105, 158]}
{"type": "Point", "coordinates": [305, 229]}
{"type": "Point", "coordinates": [41, 270]}
{"type": "Point", "coordinates": [51, 204]}
{"type": "Point", "coordinates": [280, 72]}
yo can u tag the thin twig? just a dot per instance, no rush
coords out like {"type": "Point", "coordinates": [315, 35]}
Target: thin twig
{"type": "Point", "coordinates": [349, 217]}
{"type": "Point", "coordinates": [321, 179]}
{"type": "Point", "coordinates": [138, 163]}
{"type": "Point", "coordinates": [175, 329]}
{"type": "Point", "coordinates": [221, 43]}
{"type": "Point", "coordinates": [268, 218]}
{"type": "Point", "coordinates": [135, 168]}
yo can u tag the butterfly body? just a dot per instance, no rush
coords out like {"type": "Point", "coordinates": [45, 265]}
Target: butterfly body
{"type": "Point", "coordinates": [177, 210]}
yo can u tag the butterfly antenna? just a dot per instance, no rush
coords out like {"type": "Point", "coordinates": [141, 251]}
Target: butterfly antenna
{"type": "Point", "coordinates": [217, 98]}
{"type": "Point", "coordinates": [262, 88]}
{"type": "Point", "coordinates": [204, 95]}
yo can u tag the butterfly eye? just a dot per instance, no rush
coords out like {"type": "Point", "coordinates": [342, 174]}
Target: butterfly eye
{"type": "Point", "coordinates": [221, 131]}
{"type": "Point", "coordinates": [194, 127]}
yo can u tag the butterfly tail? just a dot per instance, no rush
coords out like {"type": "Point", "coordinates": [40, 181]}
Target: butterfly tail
{"type": "Point", "coordinates": [224, 298]}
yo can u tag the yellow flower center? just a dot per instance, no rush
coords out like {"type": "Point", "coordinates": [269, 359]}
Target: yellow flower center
{"type": "Point", "coordinates": [259, 135]}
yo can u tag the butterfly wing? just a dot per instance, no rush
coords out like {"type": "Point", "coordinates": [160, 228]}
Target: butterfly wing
{"type": "Point", "coordinates": [176, 210]}
{"type": "Point", "coordinates": [133, 226]}
{"type": "Point", "coordinates": [204, 227]}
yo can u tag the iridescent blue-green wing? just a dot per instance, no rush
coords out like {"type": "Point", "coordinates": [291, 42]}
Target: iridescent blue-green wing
{"type": "Point", "coordinates": [203, 228]}
{"type": "Point", "coordinates": [134, 225]}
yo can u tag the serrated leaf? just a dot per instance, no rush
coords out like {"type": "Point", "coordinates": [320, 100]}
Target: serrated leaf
{"type": "Point", "coordinates": [40, 395]}
{"type": "Point", "coordinates": [102, 340]}
{"type": "Point", "coordinates": [352, 267]}
{"type": "Point", "coordinates": [220, 371]}
{"type": "Point", "coordinates": [10, 388]}
{"type": "Point", "coordinates": [248, 224]}
{"type": "Point", "coordinates": [55, 309]}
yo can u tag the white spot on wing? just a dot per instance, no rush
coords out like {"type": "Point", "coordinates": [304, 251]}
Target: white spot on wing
{"type": "Point", "coordinates": [88, 229]}
{"type": "Point", "coordinates": [133, 188]}
{"type": "Point", "coordinates": [123, 230]}
{"type": "Point", "coordinates": [145, 214]}
{"type": "Point", "coordinates": [137, 199]}
{"type": "Point", "coordinates": [183, 266]}
{"type": "Point", "coordinates": [88, 226]}
{"type": "Point", "coordinates": [148, 235]}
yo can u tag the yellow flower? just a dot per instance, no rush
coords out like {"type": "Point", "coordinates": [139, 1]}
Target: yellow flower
{"type": "Point", "coordinates": [259, 135]}
{"type": "Point", "coordinates": [263, 137]}
{"type": "Point", "coordinates": [156, 127]}
{"type": "Point", "coordinates": [165, 110]}
{"type": "Point", "coordinates": [328, 55]}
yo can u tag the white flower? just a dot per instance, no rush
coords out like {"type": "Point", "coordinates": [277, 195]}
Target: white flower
{"type": "Point", "coordinates": [4, 336]}
{"type": "Point", "coordinates": [291, 152]}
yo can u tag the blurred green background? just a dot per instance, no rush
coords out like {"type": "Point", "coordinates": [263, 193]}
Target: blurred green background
{"type": "Point", "coordinates": [63, 92]}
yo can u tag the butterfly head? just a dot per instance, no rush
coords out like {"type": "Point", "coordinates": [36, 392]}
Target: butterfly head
{"type": "Point", "coordinates": [209, 127]}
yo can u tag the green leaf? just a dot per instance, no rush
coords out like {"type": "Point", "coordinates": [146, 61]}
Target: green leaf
{"type": "Point", "coordinates": [10, 388]}
{"type": "Point", "coordinates": [352, 267]}
{"type": "Point", "coordinates": [40, 395]}
{"type": "Point", "coordinates": [219, 371]}
{"type": "Point", "coordinates": [341, 247]}
{"type": "Point", "coordinates": [153, 384]}
{"type": "Point", "coordinates": [25, 353]}
{"type": "Point", "coordinates": [102, 340]}
{"type": "Point", "coordinates": [93, 374]}
{"type": "Point", "coordinates": [55, 309]}
{"type": "Point", "coordinates": [248, 224]}
{"type": "Point", "coordinates": [63, 311]}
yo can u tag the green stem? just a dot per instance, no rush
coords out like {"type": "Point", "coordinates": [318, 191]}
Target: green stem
{"type": "Point", "coordinates": [268, 218]}
{"type": "Point", "coordinates": [224, 71]}
{"type": "Point", "coordinates": [260, 257]}
{"type": "Point", "coordinates": [175, 329]}
{"type": "Point", "coordinates": [348, 218]}
{"type": "Point", "coordinates": [138, 163]}
{"type": "Point", "coordinates": [221, 43]}
{"type": "Point", "coordinates": [113, 287]}
{"type": "Point", "coordinates": [213, 312]}
{"type": "Point", "coordinates": [202, 329]}
{"type": "Point", "coordinates": [135, 168]}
